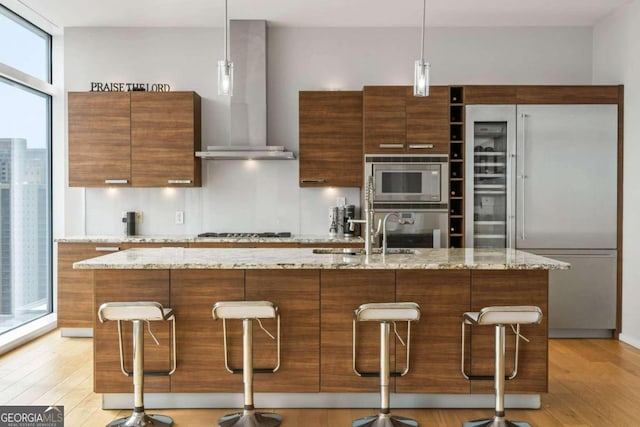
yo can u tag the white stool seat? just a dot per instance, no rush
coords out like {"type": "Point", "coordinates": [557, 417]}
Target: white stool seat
{"type": "Point", "coordinates": [507, 315]}
{"type": "Point", "coordinates": [244, 310]}
{"type": "Point", "coordinates": [134, 310]}
{"type": "Point", "coordinates": [388, 312]}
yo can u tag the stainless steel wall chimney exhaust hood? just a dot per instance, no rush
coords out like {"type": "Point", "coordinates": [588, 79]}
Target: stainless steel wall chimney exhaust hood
{"type": "Point", "coordinates": [248, 105]}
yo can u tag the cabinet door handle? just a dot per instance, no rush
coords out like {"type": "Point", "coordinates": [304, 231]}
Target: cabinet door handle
{"type": "Point", "coordinates": [421, 146]}
{"type": "Point", "coordinates": [523, 175]}
{"type": "Point", "coordinates": [178, 181]}
{"type": "Point", "coordinates": [107, 249]}
{"type": "Point", "coordinates": [312, 180]}
{"type": "Point", "coordinates": [116, 181]}
{"type": "Point", "coordinates": [391, 145]}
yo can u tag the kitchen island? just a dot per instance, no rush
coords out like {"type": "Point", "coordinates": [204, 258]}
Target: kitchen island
{"type": "Point", "coordinates": [317, 294]}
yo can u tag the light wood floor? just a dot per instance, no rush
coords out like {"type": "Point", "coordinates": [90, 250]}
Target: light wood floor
{"type": "Point", "coordinates": [592, 383]}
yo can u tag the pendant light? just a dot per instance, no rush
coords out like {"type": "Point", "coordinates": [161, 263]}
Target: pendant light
{"type": "Point", "coordinates": [225, 67]}
{"type": "Point", "coordinates": [421, 76]}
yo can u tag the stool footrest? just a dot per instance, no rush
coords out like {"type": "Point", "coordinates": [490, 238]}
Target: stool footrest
{"type": "Point", "coordinates": [377, 374]}
{"type": "Point", "coordinates": [487, 377]}
{"type": "Point", "coordinates": [255, 371]}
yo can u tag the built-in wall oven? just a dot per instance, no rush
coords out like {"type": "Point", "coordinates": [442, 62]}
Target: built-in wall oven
{"type": "Point", "coordinates": [417, 189]}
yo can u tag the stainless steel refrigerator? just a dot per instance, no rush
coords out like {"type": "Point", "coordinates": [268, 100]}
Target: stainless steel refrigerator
{"type": "Point", "coordinates": [543, 178]}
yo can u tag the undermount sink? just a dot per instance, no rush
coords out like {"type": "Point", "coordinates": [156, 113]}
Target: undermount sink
{"type": "Point", "coordinates": [356, 251]}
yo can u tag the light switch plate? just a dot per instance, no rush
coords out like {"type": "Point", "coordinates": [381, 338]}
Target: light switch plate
{"type": "Point", "coordinates": [341, 201]}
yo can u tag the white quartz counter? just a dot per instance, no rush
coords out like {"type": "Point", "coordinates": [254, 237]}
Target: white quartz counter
{"type": "Point", "coordinates": [304, 258]}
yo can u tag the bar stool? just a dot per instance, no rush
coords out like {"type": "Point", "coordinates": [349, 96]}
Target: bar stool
{"type": "Point", "coordinates": [248, 311]}
{"type": "Point", "coordinates": [385, 313]}
{"type": "Point", "coordinates": [499, 317]}
{"type": "Point", "coordinates": [137, 312]}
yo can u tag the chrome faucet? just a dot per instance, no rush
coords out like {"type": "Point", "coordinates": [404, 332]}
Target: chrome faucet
{"type": "Point", "coordinates": [369, 234]}
{"type": "Point", "coordinates": [384, 227]}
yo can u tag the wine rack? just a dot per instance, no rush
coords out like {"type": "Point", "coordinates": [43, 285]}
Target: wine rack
{"type": "Point", "coordinates": [456, 173]}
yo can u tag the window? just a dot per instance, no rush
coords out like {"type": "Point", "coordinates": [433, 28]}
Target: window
{"type": "Point", "coordinates": [24, 46]}
{"type": "Point", "coordinates": [25, 175]}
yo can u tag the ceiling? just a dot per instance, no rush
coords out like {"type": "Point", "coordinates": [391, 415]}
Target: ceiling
{"type": "Point", "coordinates": [323, 13]}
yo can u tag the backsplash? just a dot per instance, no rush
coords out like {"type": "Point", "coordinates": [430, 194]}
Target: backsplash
{"type": "Point", "coordinates": [236, 196]}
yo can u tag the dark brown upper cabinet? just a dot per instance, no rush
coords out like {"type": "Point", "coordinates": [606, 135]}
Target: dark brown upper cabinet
{"type": "Point", "coordinates": [330, 125]}
{"type": "Point", "coordinates": [134, 139]}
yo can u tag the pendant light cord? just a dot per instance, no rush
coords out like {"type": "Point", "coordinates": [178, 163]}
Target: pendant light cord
{"type": "Point", "coordinates": [424, 12]}
{"type": "Point", "coordinates": [226, 57]}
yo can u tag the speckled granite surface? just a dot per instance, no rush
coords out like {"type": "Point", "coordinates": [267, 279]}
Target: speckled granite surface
{"type": "Point", "coordinates": [194, 239]}
{"type": "Point", "coordinates": [250, 258]}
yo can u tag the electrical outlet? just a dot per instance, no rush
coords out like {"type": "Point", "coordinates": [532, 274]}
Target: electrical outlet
{"type": "Point", "coordinates": [179, 217]}
{"type": "Point", "coordinates": [139, 217]}
{"type": "Point", "coordinates": [341, 201]}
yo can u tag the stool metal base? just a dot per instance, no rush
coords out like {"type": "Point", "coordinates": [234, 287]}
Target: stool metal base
{"type": "Point", "coordinates": [495, 422]}
{"type": "Point", "coordinates": [140, 419]}
{"type": "Point", "coordinates": [384, 420]}
{"type": "Point", "coordinates": [250, 418]}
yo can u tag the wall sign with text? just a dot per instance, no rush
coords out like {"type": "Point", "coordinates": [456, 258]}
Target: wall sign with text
{"type": "Point", "coordinates": [129, 87]}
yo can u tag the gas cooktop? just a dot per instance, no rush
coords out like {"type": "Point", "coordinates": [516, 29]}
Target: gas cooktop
{"type": "Point", "coordinates": [246, 235]}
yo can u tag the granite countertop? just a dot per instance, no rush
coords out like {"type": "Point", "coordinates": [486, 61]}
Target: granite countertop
{"type": "Point", "coordinates": [305, 258]}
{"type": "Point", "coordinates": [194, 239]}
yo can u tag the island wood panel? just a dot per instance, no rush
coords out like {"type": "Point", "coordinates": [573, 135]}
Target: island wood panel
{"type": "Point", "coordinates": [130, 285]}
{"type": "Point", "coordinates": [341, 293]}
{"type": "Point", "coordinates": [384, 118]}
{"type": "Point", "coordinates": [200, 340]}
{"type": "Point", "coordinates": [435, 340]}
{"type": "Point", "coordinates": [567, 95]}
{"type": "Point", "coordinates": [75, 287]}
{"type": "Point", "coordinates": [490, 94]}
{"type": "Point", "coordinates": [165, 133]}
{"type": "Point", "coordinates": [99, 138]}
{"type": "Point", "coordinates": [427, 121]}
{"type": "Point", "coordinates": [330, 126]}
{"type": "Point", "coordinates": [296, 293]}
{"type": "Point", "coordinates": [495, 288]}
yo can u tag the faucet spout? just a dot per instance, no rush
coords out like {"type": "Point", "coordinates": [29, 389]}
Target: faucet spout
{"type": "Point", "coordinates": [401, 221]}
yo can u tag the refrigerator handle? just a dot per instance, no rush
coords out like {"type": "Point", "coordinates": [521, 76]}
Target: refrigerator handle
{"type": "Point", "coordinates": [523, 175]}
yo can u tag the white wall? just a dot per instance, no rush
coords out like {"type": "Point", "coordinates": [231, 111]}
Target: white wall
{"type": "Point", "coordinates": [616, 60]}
{"type": "Point", "coordinates": [264, 196]}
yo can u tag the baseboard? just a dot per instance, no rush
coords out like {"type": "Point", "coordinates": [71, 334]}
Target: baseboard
{"type": "Point", "coordinates": [318, 400]}
{"type": "Point", "coordinates": [632, 341]}
{"type": "Point", "coordinates": [27, 332]}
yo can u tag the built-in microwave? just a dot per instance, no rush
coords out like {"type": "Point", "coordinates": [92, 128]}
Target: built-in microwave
{"type": "Point", "coordinates": [410, 179]}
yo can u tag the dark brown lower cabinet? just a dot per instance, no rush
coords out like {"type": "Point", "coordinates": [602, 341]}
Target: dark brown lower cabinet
{"type": "Point", "coordinates": [342, 292]}
{"type": "Point", "coordinates": [511, 288]}
{"type": "Point", "coordinates": [297, 295]}
{"type": "Point", "coordinates": [316, 308]}
{"type": "Point", "coordinates": [200, 343]}
{"type": "Point", "coordinates": [435, 340]}
{"type": "Point", "coordinates": [129, 285]}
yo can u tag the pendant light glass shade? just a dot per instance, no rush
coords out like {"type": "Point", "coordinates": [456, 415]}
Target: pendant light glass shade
{"type": "Point", "coordinates": [421, 79]}
{"type": "Point", "coordinates": [225, 67]}
{"type": "Point", "coordinates": [421, 72]}
{"type": "Point", "coordinates": [225, 78]}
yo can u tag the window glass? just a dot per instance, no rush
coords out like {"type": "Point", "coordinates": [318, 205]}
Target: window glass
{"type": "Point", "coordinates": [24, 46]}
{"type": "Point", "coordinates": [25, 174]}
